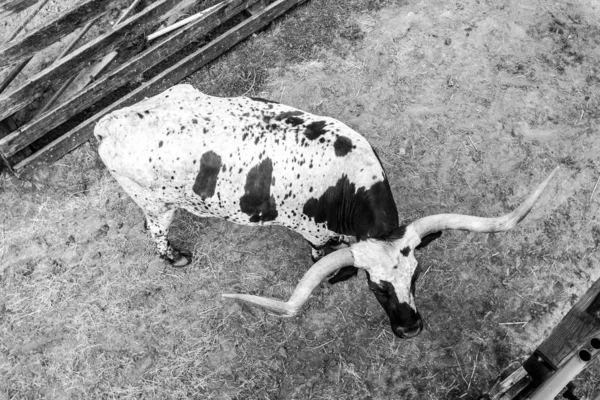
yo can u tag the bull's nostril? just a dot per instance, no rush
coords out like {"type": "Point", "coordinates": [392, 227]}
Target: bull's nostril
{"type": "Point", "coordinates": [407, 332]}
{"type": "Point", "coordinates": [411, 333]}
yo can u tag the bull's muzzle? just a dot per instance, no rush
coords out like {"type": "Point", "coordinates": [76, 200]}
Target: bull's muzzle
{"type": "Point", "coordinates": [410, 330]}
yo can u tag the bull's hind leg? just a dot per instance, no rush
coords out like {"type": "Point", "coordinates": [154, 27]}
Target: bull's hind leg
{"type": "Point", "coordinates": [159, 216]}
{"type": "Point", "coordinates": [158, 221]}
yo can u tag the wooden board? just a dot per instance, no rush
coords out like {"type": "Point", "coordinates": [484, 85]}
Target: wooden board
{"type": "Point", "coordinates": [258, 6]}
{"type": "Point", "coordinates": [39, 39]}
{"type": "Point", "coordinates": [85, 76]}
{"type": "Point", "coordinates": [133, 27]}
{"type": "Point", "coordinates": [7, 126]}
{"type": "Point", "coordinates": [573, 332]}
{"type": "Point", "coordinates": [8, 7]}
{"type": "Point", "coordinates": [127, 72]}
{"type": "Point", "coordinates": [83, 132]}
{"type": "Point", "coordinates": [579, 323]}
{"type": "Point", "coordinates": [13, 74]}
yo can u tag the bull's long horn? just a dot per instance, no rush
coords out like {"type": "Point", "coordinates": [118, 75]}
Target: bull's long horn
{"type": "Point", "coordinates": [311, 279]}
{"type": "Point", "coordinates": [440, 222]}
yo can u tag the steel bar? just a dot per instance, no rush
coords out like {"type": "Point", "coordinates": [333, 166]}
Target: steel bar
{"type": "Point", "coordinates": [568, 371]}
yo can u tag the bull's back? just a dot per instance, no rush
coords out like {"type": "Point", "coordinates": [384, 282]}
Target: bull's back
{"type": "Point", "coordinates": [249, 161]}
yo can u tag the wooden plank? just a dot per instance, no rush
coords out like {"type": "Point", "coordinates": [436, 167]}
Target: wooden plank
{"type": "Point", "coordinates": [25, 21]}
{"type": "Point", "coordinates": [77, 38]}
{"type": "Point", "coordinates": [117, 78]}
{"type": "Point", "coordinates": [7, 126]}
{"type": "Point", "coordinates": [86, 76]}
{"type": "Point", "coordinates": [158, 84]}
{"type": "Point", "coordinates": [256, 8]}
{"type": "Point", "coordinates": [503, 389]}
{"type": "Point", "coordinates": [579, 323]}
{"type": "Point", "coordinates": [133, 4]}
{"type": "Point", "coordinates": [8, 7]}
{"type": "Point", "coordinates": [13, 74]}
{"type": "Point", "coordinates": [55, 96]}
{"type": "Point", "coordinates": [183, 22]}
{"type": "Point", "coordinates": [131, 28]}
{"type": "Point", "coordinates": [61, 26]}
{"type": "Point", "coordinates": [70, 80]}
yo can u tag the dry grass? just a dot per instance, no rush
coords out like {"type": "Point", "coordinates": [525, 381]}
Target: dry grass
{"type": "Point", "coordinates": [470, 104]}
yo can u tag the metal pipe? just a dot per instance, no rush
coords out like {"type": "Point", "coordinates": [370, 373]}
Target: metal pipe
{"type": "Point", "coordinates": [567, 371]}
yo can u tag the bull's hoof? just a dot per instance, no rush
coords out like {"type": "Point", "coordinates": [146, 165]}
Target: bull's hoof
{"type": "Point", "coordinates": [180, 261]}
{"type": "Point", "coordinates": [181, 258]}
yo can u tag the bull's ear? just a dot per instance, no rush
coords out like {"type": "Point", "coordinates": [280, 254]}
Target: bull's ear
{"type": "Point", "coordinates": [428, 239]}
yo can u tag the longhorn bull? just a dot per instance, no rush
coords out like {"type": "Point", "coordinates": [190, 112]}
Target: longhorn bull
{"type": "Point", "coordinates": [257, 162]}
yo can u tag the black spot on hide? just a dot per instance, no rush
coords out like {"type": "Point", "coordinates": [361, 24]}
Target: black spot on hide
{"type": "Point", "coordinates": [160, 144]}
{"type": "Point", "coordinates": [291, 117]}
{"type": "Point", "coordinates": [206, 180]}
{"type": "Point", "coordinates": [315, 129]}
{"type": "Point", "coordinates": [263, 100]}
{"type": "Point", "coordinates": [363, 213]}
{"type": "Point", "coordinates": [405, 251]}
{"type": "Point", "coordinates": [342, 146]}
{"type": "Point", "coordinates": [257, 201]}
{"type": "Point", "coordinates": [140, 115]}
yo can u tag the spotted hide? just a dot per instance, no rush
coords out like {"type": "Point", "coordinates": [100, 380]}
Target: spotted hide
{"type": "Point", "coordinates": [249, 161]}
{"type": "Point", "coordinates": [257, 162]}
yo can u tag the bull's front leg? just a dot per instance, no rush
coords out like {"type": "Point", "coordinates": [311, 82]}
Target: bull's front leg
{"type": "Point", "coordinates": [335, 243]}
{"type": "Point", "coordinates": [344, 273]}
{"type": "Point", "coordinates": [159, 216]}
{"type": "Point", "coordinates": [320, 250]}
{"type": "Point", "coordinates": [158, 222]}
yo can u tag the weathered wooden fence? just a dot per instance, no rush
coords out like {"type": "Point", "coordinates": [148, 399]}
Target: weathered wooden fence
{"type": "Point", "coordinates": [573, 344]}
{"type": "Point", "coordinates": [82, 85]}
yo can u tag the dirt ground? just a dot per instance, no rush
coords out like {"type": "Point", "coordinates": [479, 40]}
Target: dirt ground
{"type": "Point", "coordinates": [470, 105]}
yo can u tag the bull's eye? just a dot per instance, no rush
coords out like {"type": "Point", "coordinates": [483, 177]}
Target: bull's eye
{"type": "Point", "coordinates": [378, 291]}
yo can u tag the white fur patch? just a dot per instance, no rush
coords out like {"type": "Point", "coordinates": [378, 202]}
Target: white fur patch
{"type": "Point", "coordinates": [384, 261]}
{"type": "Point", "coordinates": [159, 143]}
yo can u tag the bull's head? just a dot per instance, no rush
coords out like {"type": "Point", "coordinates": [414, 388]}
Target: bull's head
{"type": "Point", "coordinates": [391, 265]}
